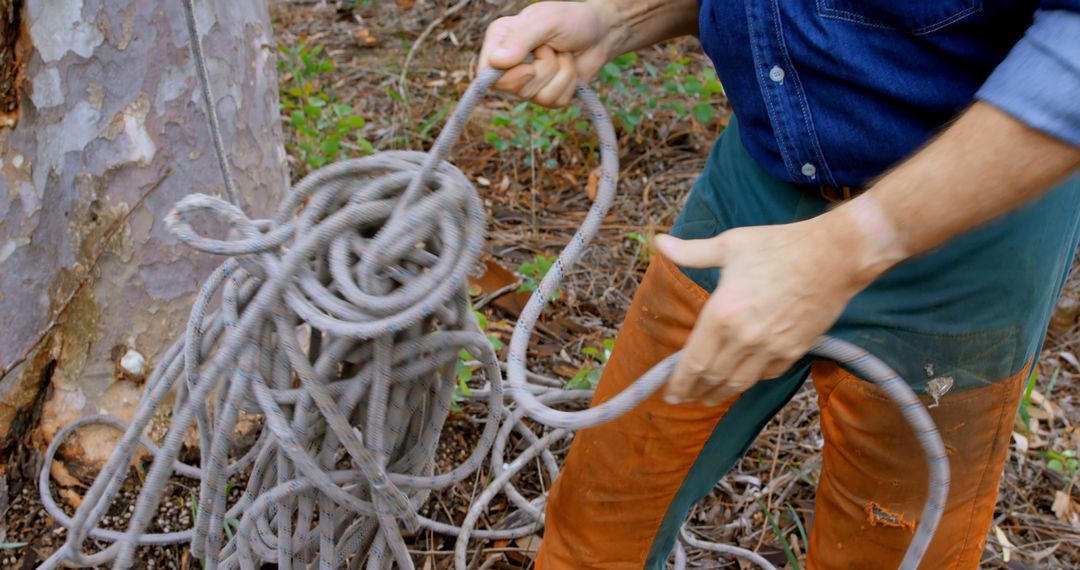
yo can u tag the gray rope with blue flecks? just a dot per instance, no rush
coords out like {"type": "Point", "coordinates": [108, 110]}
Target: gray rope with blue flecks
{"type": "Point", "coordinates": [341, 321]}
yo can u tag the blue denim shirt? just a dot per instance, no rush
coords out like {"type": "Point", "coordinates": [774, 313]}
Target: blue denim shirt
{"type": "Point", "coordinates": [834, 92]}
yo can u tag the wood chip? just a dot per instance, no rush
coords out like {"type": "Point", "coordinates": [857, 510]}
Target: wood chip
{"type": "Point", "coordinates": [1065, 508]}
{"type": "Point", "coordinates": [365, 38]}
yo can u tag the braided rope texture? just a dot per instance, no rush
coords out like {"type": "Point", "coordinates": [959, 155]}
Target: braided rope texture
{"type": "Point", "coordinates": [340, 323]}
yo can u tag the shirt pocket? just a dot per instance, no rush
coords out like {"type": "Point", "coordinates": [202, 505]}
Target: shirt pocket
{"type": "Point", "coordinates": [915, 17]}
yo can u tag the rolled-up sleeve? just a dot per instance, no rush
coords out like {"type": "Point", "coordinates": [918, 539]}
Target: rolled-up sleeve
{"type": "Point", "coordinates": [1039, 81]}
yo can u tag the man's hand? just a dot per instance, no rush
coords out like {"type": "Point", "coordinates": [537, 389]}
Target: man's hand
{"type": "Point", "coordinates": [571, 41]}
{"type": "Point", "coordinates": [780, 288]}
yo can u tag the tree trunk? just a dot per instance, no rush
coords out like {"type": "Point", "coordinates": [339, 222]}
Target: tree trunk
{"type": "Point", "coordinates": [105, 132]}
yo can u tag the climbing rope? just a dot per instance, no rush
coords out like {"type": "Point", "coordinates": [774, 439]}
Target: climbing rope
{"type": "Point", "coordinates": [340, 323]}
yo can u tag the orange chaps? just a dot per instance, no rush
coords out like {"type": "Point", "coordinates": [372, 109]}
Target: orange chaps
{"type": "Point", "coordinates": [627, 484]}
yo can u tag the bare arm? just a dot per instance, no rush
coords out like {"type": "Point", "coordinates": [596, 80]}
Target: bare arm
{"type": "Point", "coordinates": [642, 23]}
{"type": "Point", "coordinates": [984, 165]}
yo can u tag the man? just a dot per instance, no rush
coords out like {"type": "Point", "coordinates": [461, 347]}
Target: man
{"type": "Point", "coordinates": [897, 175]}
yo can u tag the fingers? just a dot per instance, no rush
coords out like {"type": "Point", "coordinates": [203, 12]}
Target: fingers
{"type": "Point", "coordinates": [739, 378]}
{"type": "Point", "coordinates": [560, 89]}
{"type": "Point", "coordinates": [556, 34]}
{"type": "Point", "coordinates": [695, 370]}
{"type": "Point", "coordinates": [545, 65]}
{"type": "Point", "coordinates": [695, 252]}
{"type": "Point", "coordinates": [508, 41]}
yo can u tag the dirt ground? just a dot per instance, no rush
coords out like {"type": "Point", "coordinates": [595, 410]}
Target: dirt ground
{"type": "Point", "coordinates": [536, 195]}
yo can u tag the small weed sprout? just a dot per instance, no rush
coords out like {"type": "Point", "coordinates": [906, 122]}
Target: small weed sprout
{"type": "Point", "coordinates": [588, 375]}
{"type": "Point", "coordinates": [535, 128]}
{"type": "Point", "coordinates": [532, 272]}
{"type": "Point", "coordinates": [1063, 462]}
{"type": "Point", "coordinates": [324, 128]}
{"type": "Point", "coordinates": [632, 99]}
{"type": "Point", "coordinates": [641, 246]}
{"type": "Point", "coordinates": [466, 364]}
{"type": "Point", "coordinates": [631, 93]}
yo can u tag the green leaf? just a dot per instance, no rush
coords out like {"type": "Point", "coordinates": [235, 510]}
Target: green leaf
{"type": "Point", "coordinates": [579, 381]}
{"type": "Point", "coordinates": [703, 112]}
{"type": "Point", "coordinates": [1055, 465]}
{"type": "Point", "coordinates": [481, 320]}
{"type": "Point", "coordinates": [780, 535]}
{"type": "Point", "coordinates": [500, 121]}
{"type": "Point", "coordinates": [330, 146]}
{"type": "Point", "coordinates": [626, 59]}
{"type": "Point", "coordinates": [355, 122]}
{"type": "Point", "coordinates": [12, 545]}
{"type": "Point", "coordinates": [229, 527]}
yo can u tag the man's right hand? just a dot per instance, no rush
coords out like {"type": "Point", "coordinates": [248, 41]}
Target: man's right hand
{"type": "Point", "coordinates": [569, 41]}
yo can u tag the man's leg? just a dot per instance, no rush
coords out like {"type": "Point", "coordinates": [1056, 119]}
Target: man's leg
{"type": "Point", "coordinates": [963, 323]}
{"type": "Point", "coordinates": [628, 484]}
{"type": "Point", "coordinates": [873, 480]}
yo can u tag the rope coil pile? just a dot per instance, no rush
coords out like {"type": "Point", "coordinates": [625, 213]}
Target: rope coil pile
{"type": "Point", "coordinates": [340, 323]}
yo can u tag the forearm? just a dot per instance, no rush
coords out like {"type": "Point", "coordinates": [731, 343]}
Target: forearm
{"type": "Point", "coordinates": [640, 23]}
{"type": "Point", "coordinates": [984, 165]}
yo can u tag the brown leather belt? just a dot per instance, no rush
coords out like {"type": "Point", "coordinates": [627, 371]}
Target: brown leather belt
{"type": "Point", "coordinates": [837, 194]}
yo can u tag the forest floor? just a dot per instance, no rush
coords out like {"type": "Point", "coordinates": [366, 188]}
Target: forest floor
{"type": "Point", "coordinates": [533, 169]}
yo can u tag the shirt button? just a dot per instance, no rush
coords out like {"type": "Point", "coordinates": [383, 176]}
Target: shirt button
{"type": "Point", "coordinates": [809, 170]}
{"type": "Point", "coordinates": [776, 74]}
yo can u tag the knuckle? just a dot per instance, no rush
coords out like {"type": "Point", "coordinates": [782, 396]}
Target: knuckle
{"type": "Point", "coordinates": [749, 336]}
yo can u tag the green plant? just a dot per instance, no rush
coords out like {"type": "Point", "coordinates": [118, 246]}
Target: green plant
{"type": "Point", "coordinates": [325, 129]}
{"type": "Point", "coordinates": [533, 272]}
{"type": "Point", "coordinates": [465, 367]}
{"type": "Point", "coordinates": [1025, 402]}
{"type": "Point", "coordinates": [536, 129]}
{"type": "Point", "coordinates": [588, 375]}
{"type": "Point", "coordinates": [788, 551]}
{"type": "Point", "coordinates": [1063, 462]}
{"type": "Point", "coordinates": [231, 526]}
{"type": "Point", "coordinates": [630, 98]}
{"type": "Point", "coordinates": [696, 90]}
{"type": "Point", "coordinates": [12, 545]}
{"type": "Point", "coordinates": [641, 246]}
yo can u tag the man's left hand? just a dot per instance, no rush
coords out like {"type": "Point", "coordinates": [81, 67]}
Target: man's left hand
{"type": "Point", "coordinates": [780, 288]}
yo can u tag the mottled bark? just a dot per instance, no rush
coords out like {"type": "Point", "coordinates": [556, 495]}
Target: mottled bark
{"type": "Point", "coordinates": [110, 132]}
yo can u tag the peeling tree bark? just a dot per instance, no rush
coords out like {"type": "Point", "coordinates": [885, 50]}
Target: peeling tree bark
{"type": "Point", "coordinates": [110, 132]}
{"type": "Point", "coordinates": [10, 59]}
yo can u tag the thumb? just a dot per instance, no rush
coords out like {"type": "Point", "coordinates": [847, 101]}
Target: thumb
{"type": "Point", "coordinates": [699, 253]}
{"type": "Point", "coordinates": [512, 39]}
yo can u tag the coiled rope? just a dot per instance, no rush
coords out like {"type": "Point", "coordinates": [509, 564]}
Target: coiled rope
{"type": "Point", "coordinates": [340, 323]}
